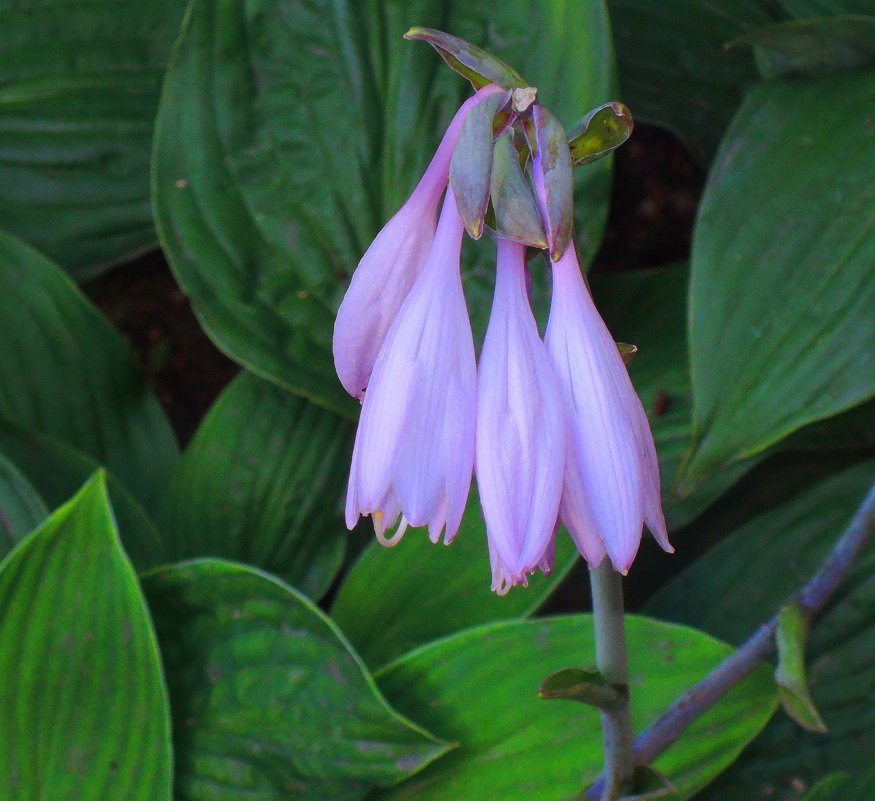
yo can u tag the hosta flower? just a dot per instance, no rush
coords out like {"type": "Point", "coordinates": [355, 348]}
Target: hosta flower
{"type": "Point", "coordinates": [414, 449]}
{"type": "Point", "coordinates": [520, 431]}
{"type": "Point", "coordinates": [389, 267]}
{"type": "Point", "coordinates": [611, 474]}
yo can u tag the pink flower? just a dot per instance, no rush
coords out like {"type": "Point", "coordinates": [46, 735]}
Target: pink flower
{"type": "Point", "coordinates": [389, 267]}
{"type": "Point", "coordinates": [414, 449]}
{"type": "Point", "coordinates": [611, 472]}
{"type": "Point", "coordinates": [520, 431]}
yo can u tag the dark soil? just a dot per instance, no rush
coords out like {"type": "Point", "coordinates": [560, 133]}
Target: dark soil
{"type": "Point", "coordinates": [657, 187]}
{"type": "Point", "coordinates": [186, 371]}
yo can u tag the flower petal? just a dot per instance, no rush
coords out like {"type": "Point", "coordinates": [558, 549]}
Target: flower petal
{"type": "Point", "coordinates": [520, 427]}
{"type": "Point", "coordinates": [390, 265]}
{"type": "Point", "coordinates": [607, 465]}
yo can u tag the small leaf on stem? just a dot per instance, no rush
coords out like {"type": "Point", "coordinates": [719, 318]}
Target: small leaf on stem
{"type": "Point", "coordinates": [471, 62]}
{"type": "Point", "coordinates": [599, 133]}
{"type": "Point", "coordinates": [627, 351]}
{"type": "Point", "coordinates": [586, 686]}
{"type": "Point", "coordinates": [790, 674]}
{"type": "Point", "coordinates": [649, 784]}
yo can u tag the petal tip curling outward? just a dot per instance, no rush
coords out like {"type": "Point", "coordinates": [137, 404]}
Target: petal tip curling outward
{"type": "Point", "coordinates": [612, 477]}
{"type": "Point", "coordinates": [520, 451]}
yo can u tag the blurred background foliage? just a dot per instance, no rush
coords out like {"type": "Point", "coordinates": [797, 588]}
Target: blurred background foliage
{"type": "Point", "coordinates": [257, 146]}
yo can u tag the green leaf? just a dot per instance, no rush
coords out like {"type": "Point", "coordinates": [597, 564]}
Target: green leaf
{"type": "Point", "coordinates": [394, 599]}
{"type": "Point", "coordinates": [599, 133]}
{"type": "Point", "coordinates": [830, 789]}
{"type": "Point", "coordinates": [479, 688]}
{"type": "Point", "coordinates": [268, 698]}
{"type": "Point", "coordinates": [21, 508]}
{"type": "Point", "coordinates": [743, 581]}
{"type": "Point", "coordinates": [471, 62]}
{"type": "Point", "coordinates": [586, 686]}
{"type": "Point", "coordinates": [648, 307]}
{"type": "Point", "coordinates": [790, 674]}
{"type": "Point", "coordinates": [780, 322]}
{"type": "Point", "coordinates": [675, 69]}
{"type": "Point", "coordinates": [471, 163]}
{"type": "Point", "coordinates": [80, 83]}
{"type": "Point", "coordinates": [66, 374]}
{"type": "Point", "coordinates": [844, 787]}
{"type": "Point", "coordinates": [825, 8]}
{"type": "Point", "coordinates": [648, 785]}
{"type": "Point", "coordinates": [82, 698]}
{"type": "Point", "coordinates": [288, 135]}
{"type": "Point", "coordinates": [262, 482]}
{"type": "Point", "coordinates": [57, 471]}
{"type": "Point", "coordinates": [809, 47]}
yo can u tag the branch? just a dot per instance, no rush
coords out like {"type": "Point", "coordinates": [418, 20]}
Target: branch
{"type": "Point", "coordinates": [812, 597]}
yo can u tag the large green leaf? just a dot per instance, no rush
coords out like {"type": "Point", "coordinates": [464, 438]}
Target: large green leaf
{"type": "Point", "coordinates": [269, 701]}
{"type": "Point", "coordinates": [262, 483]}
{"type": "Point", "coordinates": [21, 508]}
{"type": "Point", "coordinates": [82, 698]}
{"type": "Point", "coordinates": [743, 581]}
{"type": "Point", "coordinates": [675, 69]}
{"type": "Point", "coordinates": [66, 374]}
{"type": "Point", "coordinates": [394, 599]}
{"type": "Point", "coordinates": [781, 327]}
{"type": "Point", "coordinates": [806, 47]}
{"type": "Point", "coordinates": [648, 309]}
{"type": "Point", "coordinates": [56, 472]}
{"type": "Point", "coordinates": [287, 134]}
{"type": "Point", "coordinates": [480, 688]}
{"type": "Point", "coordinates": [79, 84]}
{"type": "Point", "coordinates": [825, 8]}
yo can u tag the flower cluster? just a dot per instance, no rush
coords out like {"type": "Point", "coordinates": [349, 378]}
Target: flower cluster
{"type": "Point", "coordinates": [552, 426]}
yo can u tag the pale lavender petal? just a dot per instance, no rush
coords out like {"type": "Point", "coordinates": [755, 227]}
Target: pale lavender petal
{"type": "Point", "coordinates": [605, 454]}
{"type": "Point", "coordinates": [437, 446]}
{"type": "Point", "coordinates": [388, 269]}
{"type": "Point", "coordinates": [520, 427]}
{"type": "Point", "coordinates": [415, 444]}
{"type": "Point", "coordinates": [377, 290]}
{"type": "Point", "coordinates": [652, 490]}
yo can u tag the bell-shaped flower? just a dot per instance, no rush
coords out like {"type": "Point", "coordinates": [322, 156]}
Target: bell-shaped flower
{"type": "Point", "coordinates": [520, 431]}
{"type": "Point", "coordinates": [414, 448]}
{"type": "Point", "coordinates": [611, 473]}
{"type": "Point", "coordinates": [390, 265]}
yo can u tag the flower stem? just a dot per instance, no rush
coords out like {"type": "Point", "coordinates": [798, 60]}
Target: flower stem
{"type": "Point", "coordinates": [610, 647]}
{"type": "Point", "coordinates": [702, 696]}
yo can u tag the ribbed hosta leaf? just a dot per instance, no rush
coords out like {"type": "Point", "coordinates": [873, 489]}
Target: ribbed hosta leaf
{"type": "Point", "coordinates": [82, 697]}
{"type": "Point", "coordinates": [262, 482]}
{"type": "Point", "coordinates": [66, 374]}
{"type": "Point", "coordinates": [79, 85]}
{"type": "Point", "coordinates": [269, 700]}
